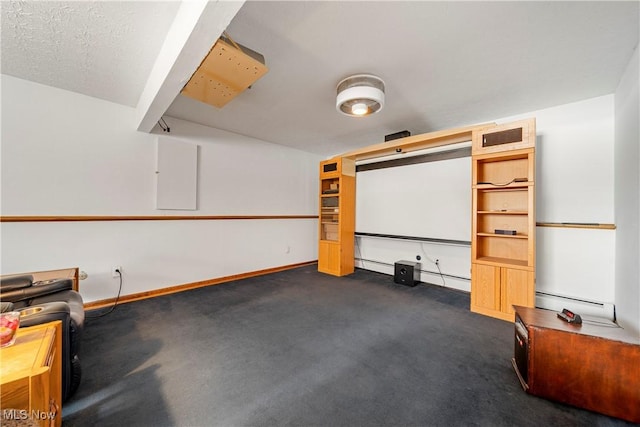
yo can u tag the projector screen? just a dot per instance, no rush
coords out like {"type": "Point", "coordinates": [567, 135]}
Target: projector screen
{"type": "Point", "coordinates": [428, 200]}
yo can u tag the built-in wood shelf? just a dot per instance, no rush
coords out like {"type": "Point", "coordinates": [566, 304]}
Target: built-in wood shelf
{"type": "Point", "coordinates": [505, 212]}
{"type": "Point", "coordinates": [508, 236]}
{"type": "Point", "coordinates": [503, 198]}
{"type": "Point", "coordinates": [337, 216]}
{"type": "Point", "coordinates": [496, 187]}
{"type": "Point", "coordinates": [502, 261]}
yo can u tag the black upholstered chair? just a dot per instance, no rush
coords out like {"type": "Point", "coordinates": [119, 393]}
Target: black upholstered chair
{"type": "Point", "coordinates": [47, 301]}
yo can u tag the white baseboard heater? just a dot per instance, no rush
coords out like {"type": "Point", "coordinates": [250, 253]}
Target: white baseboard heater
{"type": "Point", "coordinates": [577, 305]}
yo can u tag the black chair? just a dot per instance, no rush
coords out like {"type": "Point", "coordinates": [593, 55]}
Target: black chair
{"type": "Point", "coordinates": [47, 301]}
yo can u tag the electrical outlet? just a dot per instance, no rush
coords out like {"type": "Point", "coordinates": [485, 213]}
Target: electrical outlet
{"type": "Point", "coordinates": [115, 270]}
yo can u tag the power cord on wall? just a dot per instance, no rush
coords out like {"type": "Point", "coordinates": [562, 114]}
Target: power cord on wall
{"type": "Point", "coordinates": [440, 271]}
{"type": "Point", "coordinates": [436, 262]}
{"type": "Point", "coordinates": [163, 125]}
{"type": "Point", "coordinates": [116, 301]}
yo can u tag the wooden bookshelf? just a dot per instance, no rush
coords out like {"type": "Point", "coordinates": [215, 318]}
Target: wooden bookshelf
{"type": "Point", "coordinates": [337, 216]}
{"type": "Point", "coordinates": [503, 193]}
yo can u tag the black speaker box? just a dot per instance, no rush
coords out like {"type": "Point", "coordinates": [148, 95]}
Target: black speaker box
{"type": "Point", "coordinates": [407, 273]}
{"type": "Point", "coordinates": [397, 135]}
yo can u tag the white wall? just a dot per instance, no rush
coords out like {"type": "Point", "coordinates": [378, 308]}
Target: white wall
{"type": "Point", "coordinates": [627, 197]}
{"type": "Point", "coordinates": [454, 261]}
{"type": "Point", "coordinates": [574, 183]}
{"type": "Point", "coordinates": [68, 154]}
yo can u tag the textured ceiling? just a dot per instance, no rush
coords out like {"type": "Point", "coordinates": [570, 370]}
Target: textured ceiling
{"type": "Point", "coordinates": [104, 49]}
{"type": "Point", "coordinates": [445, 64]}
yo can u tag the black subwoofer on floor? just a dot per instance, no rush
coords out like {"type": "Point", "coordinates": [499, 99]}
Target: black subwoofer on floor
{"type": "Point", "coordinates": [407, 273]}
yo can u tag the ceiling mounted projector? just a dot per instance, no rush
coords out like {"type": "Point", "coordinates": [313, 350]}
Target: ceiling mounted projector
{"type": "Point", "coordinates": [228, 69]}
{"type": "Point", "coordinates": [360, 95]}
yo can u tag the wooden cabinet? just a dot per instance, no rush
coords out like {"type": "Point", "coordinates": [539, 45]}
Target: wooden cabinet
{"type": "Point", "coordinates": [337, 216]}
{"type": "Point", "coordinates": [595, 365]}
{"type": "Point", "coordinates": [31, 375]}
{"type": "Point", "coordinates": [503, 219]}
{"type": "Point", "coordinates": [495, 290]}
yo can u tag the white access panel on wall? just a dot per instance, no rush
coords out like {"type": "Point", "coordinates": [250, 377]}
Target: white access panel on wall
{"type": "Point", "coordinates": [176, 175]}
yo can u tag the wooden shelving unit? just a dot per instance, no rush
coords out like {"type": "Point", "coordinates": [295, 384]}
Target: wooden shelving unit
{"type": "Point", "coordinates": [337, 222]}
{"type": "Point", "coordinates": [503, 188]}
{"type": "Point", "coordinates": [337, 216]}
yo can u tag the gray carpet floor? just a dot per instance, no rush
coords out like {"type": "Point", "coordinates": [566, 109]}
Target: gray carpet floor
{"type": "Point", "coordinates": [300, 348]}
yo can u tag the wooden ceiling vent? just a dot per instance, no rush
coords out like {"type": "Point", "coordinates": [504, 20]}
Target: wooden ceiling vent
{"type": "Point", "coordinates": [226, 71]}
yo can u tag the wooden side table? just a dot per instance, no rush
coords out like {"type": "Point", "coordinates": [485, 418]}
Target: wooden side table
{"type": "Point", "coordinates": [595, 365]}
{"type": "Point", "coordinates": [31, 376]}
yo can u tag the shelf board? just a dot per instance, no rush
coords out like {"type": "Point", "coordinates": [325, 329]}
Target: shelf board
{"type": "Point", "coordinates": [502, 261]}
{"type": "Point", "coordinates": [507, 212]}
{"type": "Point", "coordinates": [513, 186]}
{"type": "Point", "coordinates": [509, 236]}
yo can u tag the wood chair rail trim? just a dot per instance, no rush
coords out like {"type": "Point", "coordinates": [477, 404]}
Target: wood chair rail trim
{"type": "Point", "coordinates": [577, 225]}
{"type": "Point", "coordinates": [80, 218]}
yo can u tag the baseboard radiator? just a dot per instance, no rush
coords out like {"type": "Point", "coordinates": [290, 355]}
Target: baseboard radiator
{"type": "Point", "coordinates": [577, 305]}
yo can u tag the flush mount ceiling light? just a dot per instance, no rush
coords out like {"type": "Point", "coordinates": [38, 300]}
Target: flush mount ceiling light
{"type": "Point", "coordinates": [360, 95]}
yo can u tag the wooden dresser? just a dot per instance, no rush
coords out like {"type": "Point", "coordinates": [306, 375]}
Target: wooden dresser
{"type": "Point", "coordinates": [31, 376]}
{"type": "Point", "coordinates": [595, 365]}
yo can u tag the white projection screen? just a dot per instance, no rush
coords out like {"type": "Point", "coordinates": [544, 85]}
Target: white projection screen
{"type": "Point", "coordinates": [429, 200]}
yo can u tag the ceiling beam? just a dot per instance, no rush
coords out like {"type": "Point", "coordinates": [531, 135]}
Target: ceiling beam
{"type": "Point", "coordinates": [195, 29]}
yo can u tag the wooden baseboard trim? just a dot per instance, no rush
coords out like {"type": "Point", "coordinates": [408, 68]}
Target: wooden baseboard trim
{"type": "Point", "coordinates": [93, 305]}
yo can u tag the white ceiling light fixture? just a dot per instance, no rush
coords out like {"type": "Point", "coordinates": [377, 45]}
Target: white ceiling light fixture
{"type": "Point", "coordinates": [360, 95]}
